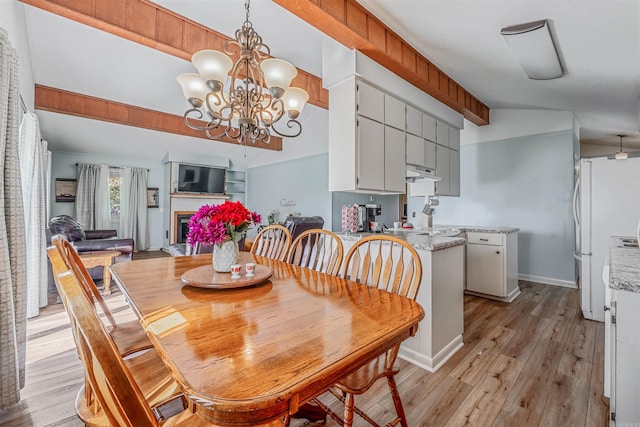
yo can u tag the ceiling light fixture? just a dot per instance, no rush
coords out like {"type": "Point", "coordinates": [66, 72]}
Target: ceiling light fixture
{"type": "Point", "coordinates": [258, 94]}
{"type": "Point", "coordinates": [533, 47]}
{"type": "Point", "coordinates": [621, 155]}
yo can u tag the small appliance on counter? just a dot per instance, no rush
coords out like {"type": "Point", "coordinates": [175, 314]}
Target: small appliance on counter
{"type": "Point", "coordinates": [366, 215]}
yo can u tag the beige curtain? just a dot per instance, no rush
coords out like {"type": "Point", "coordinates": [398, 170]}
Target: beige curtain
{"type": "Point", "coordinates": [92, 197]}
{"type": "Point", "coordinates": [13, 284]}
{"type": "Point", "coordinates": [134, 221]}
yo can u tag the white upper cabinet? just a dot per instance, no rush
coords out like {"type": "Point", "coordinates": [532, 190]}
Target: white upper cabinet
{"type": "Point", "coordinates": [454, 139]}
{"type": "Point", "coordinates": [371, 154]}
{"type": "Point", "coordinates": [414, 121]}
{"type": "Point", "coordinates": [442, 170]}
{"type": "Point", "coordinates": [394, 160]}
{"type": "Point", "coordinates": [394, 112]}
{"type": "Point", "coordinates": [415, 150]}
{"type": "Point", "coordinates": [430, 155]}
{"type": "Point", "coordinates": [442, 133]}
{"type": "Point", "coordinates": [370, 102]}
{"type": "Point", "coordinates": [428, 127]}
{"type": "Point", "coordinates": [454, 173]}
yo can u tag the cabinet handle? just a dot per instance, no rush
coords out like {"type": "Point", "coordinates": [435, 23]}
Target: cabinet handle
{"type": "Point", "coordinates": [484, 240]}
{"type": "Point", "coordinates": [498, 252]}
{"type": "Point", "coordinates": [605, 308]}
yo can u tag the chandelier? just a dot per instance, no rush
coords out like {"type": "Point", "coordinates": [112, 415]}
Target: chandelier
{"type": "Point", "coordinates": [257, 97]}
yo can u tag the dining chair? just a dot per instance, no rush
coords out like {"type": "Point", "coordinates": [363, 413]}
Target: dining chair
{"type": "Point", "coordinates": [318, 250]}
{"type": "Point", "coordinates": [147, 368]}
{"type": "Point", "coordinates": [390, 264]}
{"type": "Point", "coordinates": [129, 337]}
{"type": "Point", "coordinates": [272, 242]}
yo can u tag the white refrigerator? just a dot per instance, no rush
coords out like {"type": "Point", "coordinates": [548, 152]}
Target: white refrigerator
{"type": "Point", "coordinates": [607, 203]}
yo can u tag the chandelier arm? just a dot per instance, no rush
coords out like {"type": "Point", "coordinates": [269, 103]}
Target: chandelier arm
{"type": "Point", "coordinates": [216, 136]}
{"type": "Point", "coordinates": [291, 123]}
{"type": "Point", "coordinates": [218, 115]}
{"type": "Point", "coordinates": [197, 115]}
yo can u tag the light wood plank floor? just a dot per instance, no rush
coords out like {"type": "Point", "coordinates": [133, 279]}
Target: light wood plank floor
{"type": "Point", "coordinates": [534, 362]}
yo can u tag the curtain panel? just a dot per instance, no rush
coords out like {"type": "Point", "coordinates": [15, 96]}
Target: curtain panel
{"type": "Point", "coordinates": [92, 197]}
{"type": "Point", "coordinates": [33, 167]}
{"type": "Point", "coordinates": [13, 279]}
{"type": "Point", "coordinates": [134, 221]}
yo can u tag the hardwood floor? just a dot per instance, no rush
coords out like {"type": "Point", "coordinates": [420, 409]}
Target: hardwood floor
{"type": "Point", "coordinates": [534, 362]}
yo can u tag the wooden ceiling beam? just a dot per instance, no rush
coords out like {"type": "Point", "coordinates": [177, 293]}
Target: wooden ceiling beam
{"type": "Point", "coordinates": [352, 25]}
{"type": "Point", "coordinates": [76, 104]}
{"type": "Point", "coordinates": [154, 26]}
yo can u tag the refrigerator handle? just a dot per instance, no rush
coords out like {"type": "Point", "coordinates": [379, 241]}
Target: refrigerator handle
{"type": "Point", "coordinates": [576, 216]}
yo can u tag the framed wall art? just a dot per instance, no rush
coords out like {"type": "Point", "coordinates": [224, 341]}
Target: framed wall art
{"type": "Point", "coordinates": [153, 198]}
{"type": "Point", "coordinates": [65, 190]}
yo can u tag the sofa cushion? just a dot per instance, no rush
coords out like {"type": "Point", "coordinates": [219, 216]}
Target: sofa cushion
{"type": "Point", "coordinates": [68, 227]}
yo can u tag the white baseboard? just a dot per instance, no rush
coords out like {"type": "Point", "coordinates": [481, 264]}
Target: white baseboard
{"type": "Point", "coordinates": [548, 281]}
{"type": "Point", "coordinates": [431, 364]}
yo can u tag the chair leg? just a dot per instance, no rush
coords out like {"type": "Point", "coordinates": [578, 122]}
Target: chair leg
{"type": "Point", "coordinates": [397, 402]}
{"type": "Point", "coordinates": [348, 410]}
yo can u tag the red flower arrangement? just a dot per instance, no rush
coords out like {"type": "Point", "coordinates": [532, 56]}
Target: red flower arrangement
{"type": "Point", "coordinates": [215, 224]}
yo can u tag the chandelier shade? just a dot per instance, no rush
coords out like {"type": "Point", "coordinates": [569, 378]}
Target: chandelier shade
{"type": "Point", "coordinates": [258, 96]}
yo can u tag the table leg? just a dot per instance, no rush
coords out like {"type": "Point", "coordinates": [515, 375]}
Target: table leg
{"type": "Point", "coordinates": [106, 279]}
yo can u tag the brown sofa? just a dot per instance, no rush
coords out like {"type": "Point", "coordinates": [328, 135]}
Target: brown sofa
{"type": "Point", "coordinates": [87, 241]}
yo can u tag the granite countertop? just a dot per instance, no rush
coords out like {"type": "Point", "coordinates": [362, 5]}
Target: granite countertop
{"type": "Point", "coordinates": [624, 264]}
{"type": "Point", "coordinates": [481, 229]}
{"type": "Point", "coordinates": [419, 240]}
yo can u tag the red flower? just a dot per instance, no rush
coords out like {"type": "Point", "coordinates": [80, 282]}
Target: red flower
{"type": "Point", "coordinates": [214, 224]}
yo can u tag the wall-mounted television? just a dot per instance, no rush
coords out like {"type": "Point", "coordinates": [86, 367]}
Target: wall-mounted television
{"type": "Point", "coordinates": [200, 179]}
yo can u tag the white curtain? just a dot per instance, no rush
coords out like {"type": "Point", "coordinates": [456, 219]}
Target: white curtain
{"type": "Point", "coordinates": [13, 279]}
{"type": "Point", "coordinates": [33, 169]}
{"type": "Point", "coordinates": [133, 206]}
{"type": "Point", "coordinates": [92, 197]}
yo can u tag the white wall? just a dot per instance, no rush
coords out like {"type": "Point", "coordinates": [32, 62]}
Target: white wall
{"type": "Point", "coordinates": [304, 180]}
{"type": "Point", "coordinates": [63, 165]}
{"type": "Point", "coordinates": [12, 19]}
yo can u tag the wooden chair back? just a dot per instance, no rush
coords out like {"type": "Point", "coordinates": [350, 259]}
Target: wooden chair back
{"type": "Point", "coordinates": [318, 250]}
{"type": "Point", "coordinates": [74, 263]}
{"type": "Point", "coordinates": [272, 242]}
{"type": "Point", "coordinates": [115, 388]}
{"type": "Point", "coordinates": [385, 262]}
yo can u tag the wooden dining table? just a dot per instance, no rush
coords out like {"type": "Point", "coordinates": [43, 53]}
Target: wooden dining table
{"type": "Point", "coordinates": [250, 355]}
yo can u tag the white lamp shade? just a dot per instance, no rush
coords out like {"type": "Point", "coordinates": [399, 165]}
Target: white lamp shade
{"type": "Point", "coordinates": [278, 73]}
{"type": "Point", "coordinates": [212, 65]}
{"type": "Point", "coordinates": [534, 49]}
{"type": "Point", "coordinates": [193, 87]}
{"type": "Point", "coordinates": [294, 99]}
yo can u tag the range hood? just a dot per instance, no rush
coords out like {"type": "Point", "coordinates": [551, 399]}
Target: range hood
{"type": "Point", "coordinates": [416, 173]}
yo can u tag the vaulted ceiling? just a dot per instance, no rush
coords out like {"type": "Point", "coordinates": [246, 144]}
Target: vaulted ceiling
{"type": "Point", "coordinates": [599, 43]}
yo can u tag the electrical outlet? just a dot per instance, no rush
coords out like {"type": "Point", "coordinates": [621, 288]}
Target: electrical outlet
{"type": "Point", "coordinates": [413, 214]}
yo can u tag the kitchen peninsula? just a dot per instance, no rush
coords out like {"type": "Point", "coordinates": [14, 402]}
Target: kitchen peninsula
{"type": "Point", "coordinates": [442, 252]}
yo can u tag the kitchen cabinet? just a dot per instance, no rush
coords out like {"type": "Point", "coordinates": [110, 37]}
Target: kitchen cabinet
{"type": "Point", "coordinates": [428, 127]}
{"type": "Point", "coordinates": [421, 152]}
{"type": "Point", "coordinates": [394, 112]}
{"type": "Point", "coordinates": [454, 173]}
{"type": "Point", "coordinates": [625, 347]}
{"type": "Point", "coordinates": [370, 102]}
{"type": "Point", "coordinates": [492, 265]}
{"type": "Point", "coordinates": [394, 160]}
{"type": "Point", "coordinates": [414, 121]}
{"type": "Point", "coordinates": [454, 139]}
{"type": "Point", "coordinates": [442, 170]}
{"type": "Point", "coordinates": [371, 154]}
{"type": "Point", "coordinates": [442, 133]}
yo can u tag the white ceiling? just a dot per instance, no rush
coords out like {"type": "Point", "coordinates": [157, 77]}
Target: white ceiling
{"type": "Point", "coordinates": [599, 42]}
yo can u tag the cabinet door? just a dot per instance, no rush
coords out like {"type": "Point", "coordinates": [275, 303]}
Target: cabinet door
{"type": "Point", "coordinates": [370, 102]}
{"type": "Point", "coordinates": [394, 160]}
{"type": "Point", "coordinates": [415, 150]}
{"type": "Point", "coordinates": [442, 170]}
{"type": "Point", "coordinates": [430, 154]}
{"type": "Point", "coordinates": [428, 127]}
{"type": "Point", "coordinates": [394, 112]}
{"type": "Point", "coordinates": [485, 269]}
{"type": "Point", "coordinates": [454, 173]}
{"type": "Point", "coordinates": [442, 133]}
{"type": "Point", "coordinates": [454, 139]}
{"type": "Point", "coordinates": [414, 121]}
{"type": "Point", "coordinates": [370, 154]}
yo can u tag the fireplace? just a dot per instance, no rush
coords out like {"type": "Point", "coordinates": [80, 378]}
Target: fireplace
{"type": "Point", "coordinates": [181, 225]}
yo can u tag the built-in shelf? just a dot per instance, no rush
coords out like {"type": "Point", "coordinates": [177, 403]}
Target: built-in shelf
{"type": "Point", "coordinates": [199, 196]}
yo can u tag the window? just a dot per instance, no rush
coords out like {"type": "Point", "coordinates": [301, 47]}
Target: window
{"type": "Point", "coordinates": [114, 193]}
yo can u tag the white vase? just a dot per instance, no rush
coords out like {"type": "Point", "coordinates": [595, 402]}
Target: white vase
{"type": "Point", "coordinates": [224, 256]}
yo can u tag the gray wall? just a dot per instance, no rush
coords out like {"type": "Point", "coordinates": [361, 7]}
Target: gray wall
{"type": "Point", "coordinates": [305, 180]}
{"type": "Point", "coordinates": [524, 182]}
{"type": "Point", "coordinates": [63, 165]}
